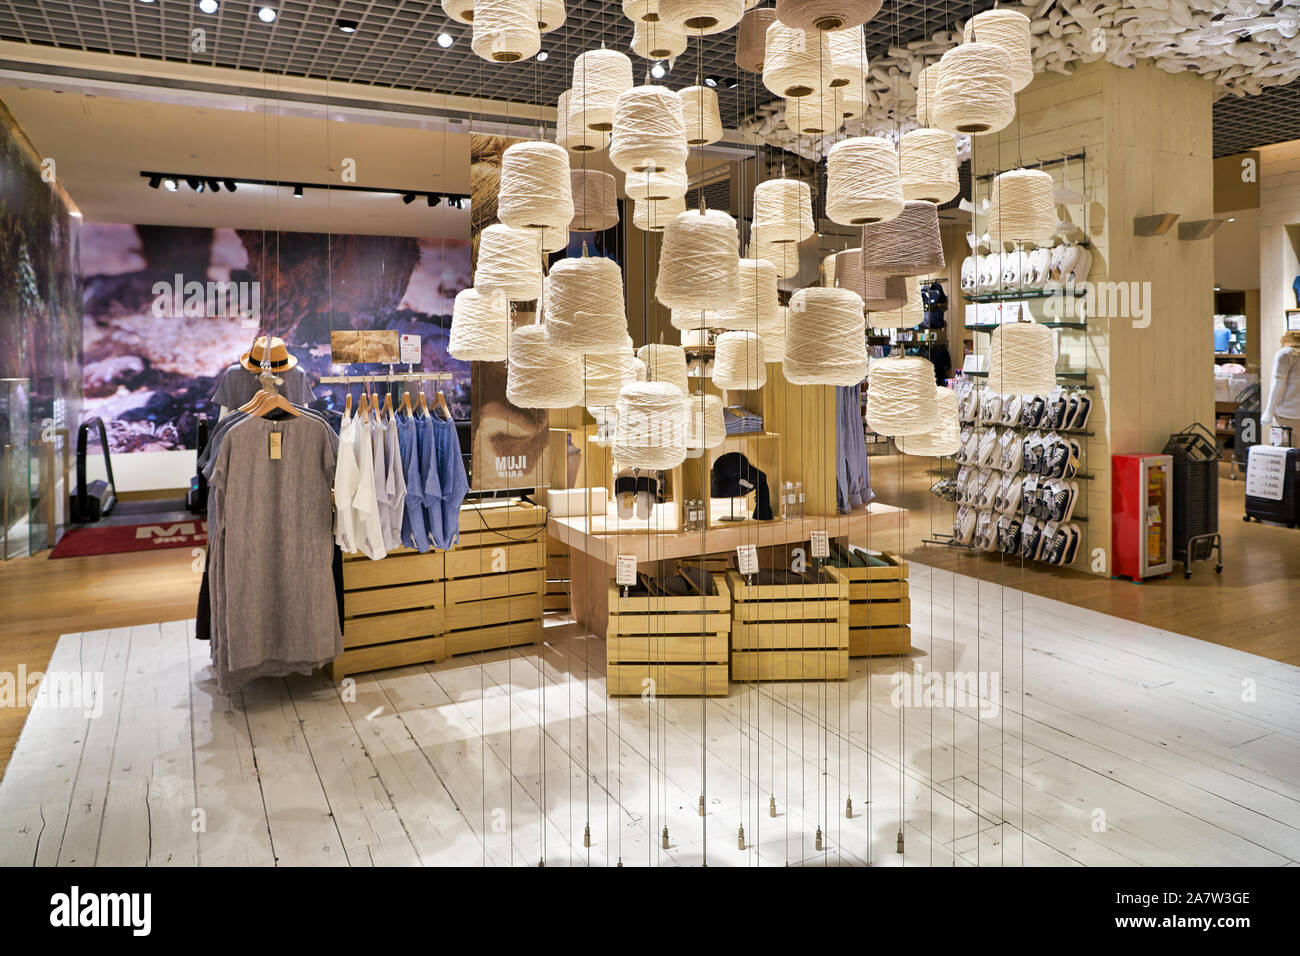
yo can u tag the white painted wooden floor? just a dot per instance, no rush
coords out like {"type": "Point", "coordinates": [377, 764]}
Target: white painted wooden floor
{"type": "Point", "coordinates": [1125, 745]}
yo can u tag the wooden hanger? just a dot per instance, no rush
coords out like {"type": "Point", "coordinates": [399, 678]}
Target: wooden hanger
{"type": "Point", "coordinates": [442, 405]}
{"type": "Point", "coordinates": [406, 402]}
{"type": "Point", "coordinates": [423, 404]}
{"type": "Point", "coordinates": [347, 406]}
{"type": "Point", "coordinates": [267, 401]}
{"type": "Point", "coordinates": [388, 404]}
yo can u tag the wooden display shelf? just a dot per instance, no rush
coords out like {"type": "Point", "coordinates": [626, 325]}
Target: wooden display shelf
{"type": "Point", "coordinates": [558, 576]}
{"type": "Point", "coordinates": [790, 631]}
{"type": "Point", "coordinates": [393, 611]}
{"type": "Point", "coordinates": [880, 608]}
{"type": "Point", "coordinates": [679, 643]}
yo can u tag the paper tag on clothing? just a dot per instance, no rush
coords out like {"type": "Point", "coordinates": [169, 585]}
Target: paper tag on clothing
{"type": "Point", "coordinates": [277, 443]}
{"type": "Point", "coordinates": [625, 570]}
{"type": "Point", "coordinates": [821, 546]}
{"type": "Point", "coordinates": [747, 558]}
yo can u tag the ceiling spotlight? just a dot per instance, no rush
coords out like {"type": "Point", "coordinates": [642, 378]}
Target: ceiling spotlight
{"type": "Point", "coordinates": [445, 40]}
{"type": "Point", "coordinates": [169, 184]}
{"type": "Point", "coordinates": [345, 25]}
{"type": "Point", "coordinates": [408, 198]}
{"type": "Point", "coordinates": [543, 56]}
{"type": "Point", "coordinates": [658, 71]}
{"type": "Point", "coordinates": [732, 83]}
{"type": "Point", "coordinates": [710, 81]}
{"type": "Point", "coordinates": [194, 183]}
{"type": "Point", "coordinates": [266, 15]}
{"type": "Point", "coordinates": [230, 185]}
{"type": "Point", "coordinates": [297, 192]}
{"type": "Point", "coordinates": [433, 200]}
{"type": "Point", "coordinates": [208, 6]}
{"type": "Point", "coordinates": [155, 182]}
{"type": "Point", "coordinates": [146, 1]}
{"type": "Point", "coordinates": [213, 186]}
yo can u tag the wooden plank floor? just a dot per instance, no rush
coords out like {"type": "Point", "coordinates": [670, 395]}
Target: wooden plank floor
{"type": "Point", "coordinates": [505, 758]}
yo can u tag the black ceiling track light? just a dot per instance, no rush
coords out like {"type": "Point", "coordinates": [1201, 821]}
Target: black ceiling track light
{"type": "Point", "coordinates": [171, 182]}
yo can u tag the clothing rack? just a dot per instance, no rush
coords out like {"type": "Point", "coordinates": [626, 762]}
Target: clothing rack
{"type": "Point", "coordinates": [389, 377]}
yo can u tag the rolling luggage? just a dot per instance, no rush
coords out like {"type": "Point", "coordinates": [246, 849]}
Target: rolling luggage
{"type": "Point", "coordinates": [1273, 485]}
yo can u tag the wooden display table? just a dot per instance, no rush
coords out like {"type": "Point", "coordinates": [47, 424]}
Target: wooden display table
{"type": "Point", "coordinates": [790, 631]}
{"type": "Point", "coordinates": [880, 609]}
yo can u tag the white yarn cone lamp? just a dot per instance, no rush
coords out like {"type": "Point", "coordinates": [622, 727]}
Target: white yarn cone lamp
{"type": "Point", "coordinates": [974, 93]}
{"type": "Point", "coordinates": [852, 104]}
{"type": "Point", "coordinates": [641, 10]}
{"type": "Point", "coordinates": [595, 200]}
{"type": "Point", "coordinates": [649, 131]}
{"type": "Point", "coordinates": [825, 340]}
{"type": "Point", "coordinates": [907, 315]}
{"type": "Point", "coordinates": [702, 16]}
{"type": "Point", "coordinates": [700, 113]}
{"type": "Point", "coordinates": [927, 160]}
{"type": "Point", "coordinates": [816, 115]}
{"type": "Point", "coordinates": [901, 397]}
{"type": "Point", "coordinates": [738, 363]}
{"type": "Point", "coordinates": [599, 77]}
{"type": "Point", "coordinates": [699, 262]}
{"type": "Point", "coordinates": [862, 181]}
{"type": "Point", "coordinates": [793, 61]}
{"type": "Point", "coordinates": [571, 130]}
{"type": "Point", "coordinates": [926, 85]}
{"type": "Point", "coordinates": [665, 364]}
{"type": "Point", "coordinates": [604, 375]}
{"type": "Point", "coordinates": [883, 294]}
{"type": "Point", "coordinates": [693, 320]}
{"type": "Point", "coordinates": [1022, 359]}
{"type": "Point", "coordinates": [829, 271]}
{"type": "Point", "coordinates": [539, 374]}
{"type": "Point", "coordinates": [535, 187]}
{"type": "Point", "coordinates": [774, 335]}
{"type": "Point", "coordinates": [550, 15]}
{"type": "Point", "coordinates": [653, 215]}
{"type": "Point", "coordinates": [1022, 207]}
{"type": "Point", "coordinates": [554, 239]}
{"type": "Point", "coordinates": [656, 186]}
{"type": "Point", "coordinates": [509, 262]}
{"type": "Point", "coordinates": [651, 428]}
{"type": "Point", "coordinates": [751, 39]}
{"type": "Point", "coordinates": [756, 305]}
{"type": "Point", "coordinates": [783, 210]}
{"type": "Point", "coordinates": [783, 255]}
{"type": "Point", "coordinates": [706, 427]}
{"type": "Point", "coordinates": [657, 40]}
{"type": "Point", "coordinates": [907, 245]}
{"type": "Point", "coordinates": [849, 64]}
{"type": "Point", "coordinates": [480, 326]}
{"type": "Point", "coordinates": [462, 11]}
{"type": "Point", "coordinates": [1010, 30]}
{"type": "Point", "coordinates": [826, 14]}
{"type": "Point", "coordinates": [505, 31]}
{"type": "Point", "coordinates": [584, 305]}
{"type": "Point", "coordinates": [944, 438]}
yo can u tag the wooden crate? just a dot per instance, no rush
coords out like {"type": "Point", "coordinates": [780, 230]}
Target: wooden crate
{"type": "Point", "coordinates": [558, 576]}
{"type": "Point", "coordinates": [496, 577]}
{"type": "Point", "coordinates": [789, 631]}
{"type": "Point", "coordinates": [880, 610]}
{"type": "Point", "coordinates": [678, 642]}
{"type": "Point", "coordinates": [393, 611]}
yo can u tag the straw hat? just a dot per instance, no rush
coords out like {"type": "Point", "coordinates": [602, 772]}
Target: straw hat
{"type": "Point", "coordinates": [280, 359]}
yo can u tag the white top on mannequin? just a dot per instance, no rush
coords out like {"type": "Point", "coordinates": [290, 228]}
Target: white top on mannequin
{"type": "Point", "coordinates": [1284, 395]}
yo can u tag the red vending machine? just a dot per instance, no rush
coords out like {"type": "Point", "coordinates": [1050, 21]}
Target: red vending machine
{"type": "Point", "coordinates": [1141, 515]}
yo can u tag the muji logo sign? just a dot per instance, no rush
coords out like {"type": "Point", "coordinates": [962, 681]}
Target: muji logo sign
{"type": "Point", "coordinates": [183, 532]}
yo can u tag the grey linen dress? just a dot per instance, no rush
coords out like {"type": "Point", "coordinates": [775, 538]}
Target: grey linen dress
{"type": "Point", "coordinates": [272, 551]}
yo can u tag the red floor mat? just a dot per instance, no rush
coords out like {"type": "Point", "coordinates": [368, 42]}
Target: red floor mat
{"type": "Point", "coordinates": [131, 537]}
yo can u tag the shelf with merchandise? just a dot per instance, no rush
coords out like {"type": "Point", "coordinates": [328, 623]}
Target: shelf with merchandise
{"type": "Point", "coordinates": [1077, 292]}
{"type": "Point", "coordinates": [990, 326]}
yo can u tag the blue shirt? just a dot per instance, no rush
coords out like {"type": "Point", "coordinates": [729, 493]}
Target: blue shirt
{"type": "Point", "coordinates": [415, 532]}
{"type": "Point", "coordinates": [428, 480]}
{"type": "Point", "coordinates": [451, 477]}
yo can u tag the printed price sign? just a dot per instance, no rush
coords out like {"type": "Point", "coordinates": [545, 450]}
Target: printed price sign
{"type": "Point", "coordinates": [747, 559]}
{"type": "Point", "coordinates": [408, 348]}
{"type": "Point", "coordinates": [821, 546]}
{"type": "Point", "coordinates": [625, 570]}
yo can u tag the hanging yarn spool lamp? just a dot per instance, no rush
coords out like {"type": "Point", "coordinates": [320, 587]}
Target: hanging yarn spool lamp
{"type": "Point", "coordinates": [738, 363]}
{"type": "Point", "coordinates": [692, 320]}
{"type": "Point", "coordinates": [651, 428]}
{"type": "Point", "coordinates": [927, 160]}
{"type": "Point", "coordinates": [654, 215]}
{"type": "Point", "coordinates": [535, 190]}
{"type": "Point", "coordinates": [901, 397]}
{"type": "Point", "coordinates": [584, 305]}
{"type": "Point", "coordinates": [862, 181]}
{"type": "Point", "coordinates": [571, 130]}
{"type": "Point", "coordinates": [883, 294]}
{"type": "Point", "coordinates": [480, 326]}
{"type": "Point", "coordinates": [826, 14]}
{"type": "Point", "coordinates": [974, 93]}
{"type": "Point", "coordinates": [751, 39]}
{"type": "Point", "coordinates": [656, 186]}
{"type": "Point", "coordinates": [698, 261]}
{"type": "Point", "coordinates": [539, 374]}
{"type": "Point", "coordinates": [774, 335]}
{"type": "Point", "coordinates": [550, 15]}
{"type": "Point", "coordinates": [825, 338]}
{"type": "Point", "coordinates": [828, 270]}
{"type": "Point", "coordinates": [849, 63]}
{"type": "Point", "coordinates": [657, 40]}
{"type": "Point", "coordinates": [641, 10]}
{"type": "Point", "coordinates": [756, 304]}
{"type": "Point", "coordinates": [906, 315]}
{"type": "Point", "coordinates": [1022, 359]}
{"type": "Point", "coordinates": [783, 255]}
{"type": "Point", "coordinates": [604, 374]}
{"type": "Point", "coordinates": [706, 427]}
{"type": "Point", "coordinates": [505, 31]}
{"type": "Point", "coordinates": [844, 270]}
{"type": "Point", "coordinates": [816, 115]}
{"type": "Point", "coordinates": [509, 262]}
{"type": "Point", "coordinates": [1022, 207]}
{"type": "Point", "coordinates": [649, 131]}
{"type": "Point", "coordinates": [852, 103]}
{"type": "Point", "coordinates": [907, 245]}
{"type": "Point", "coordinates": [702, 16]}
{"type": "Point", "coordinates": [1012, 31]}
{"type": "Point", "coordinates": [944, 438]}
{"type": "Point", "coordinates": [783, 210]}
{"type": "Point", "coordinates": [599, 77]}
{"type": "Point", "coordinates": [462, 11]}
{"type": "Point", "coordinates": [665, 364]}
{"type": "Point", "coordinates": [926, 84]}
{"type": "Point", "coordinates": [793, 60]}
{"type": "Point", "coordinates": [700, 113]}
{"type": "Point", "coordinates": [595, 200]}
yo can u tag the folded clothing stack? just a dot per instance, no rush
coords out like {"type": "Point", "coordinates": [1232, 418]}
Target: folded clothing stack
{"type": "Point", "coordinates": [741, 421]}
